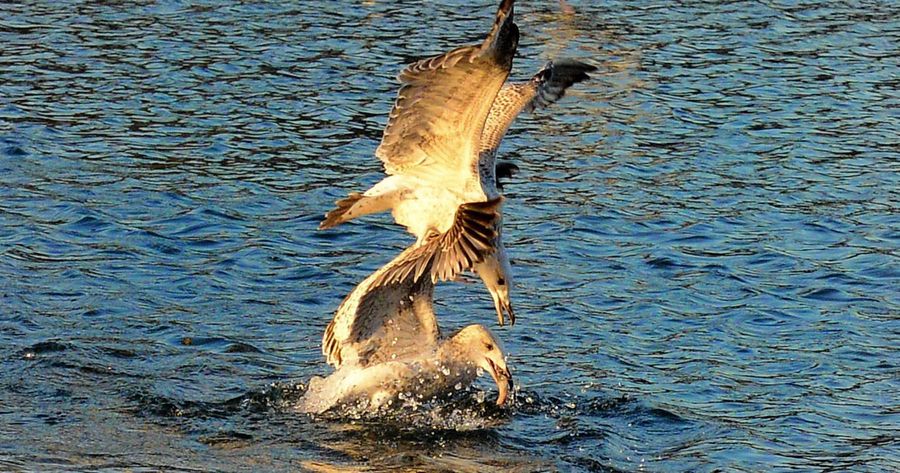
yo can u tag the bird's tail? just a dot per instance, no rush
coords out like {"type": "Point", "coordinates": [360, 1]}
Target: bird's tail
{"type": "Point", "coordinates": [355, 205]}
{"type": "Point", "coordinates": [343, 211]}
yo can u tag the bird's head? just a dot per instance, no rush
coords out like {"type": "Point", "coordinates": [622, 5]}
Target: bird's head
{"type": "Point", "coordinates": [485, 350]}
{"type": "Point", "coordinates": [496, 274]}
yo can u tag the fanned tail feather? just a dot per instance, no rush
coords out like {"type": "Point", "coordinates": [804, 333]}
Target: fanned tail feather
{"type": "Point", "coordinates": [340, 214]}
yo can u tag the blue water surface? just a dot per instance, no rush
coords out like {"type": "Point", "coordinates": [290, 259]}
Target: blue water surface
{"type": "Point", "coordinates": [705, 236]}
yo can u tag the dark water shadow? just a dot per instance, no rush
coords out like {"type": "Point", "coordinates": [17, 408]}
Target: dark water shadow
{"type": "Point", "coordinates": [468, 434]}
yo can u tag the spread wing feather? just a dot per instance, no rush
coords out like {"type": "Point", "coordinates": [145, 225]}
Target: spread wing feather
{"type": "Point", "coordinates": [439, 114]}
{"type": "Point", "coordinates": [472, 237]}
{"type": "Point", "coordinates": [382, 322]}
{"type": "Point", "coordinates": [545, 88]}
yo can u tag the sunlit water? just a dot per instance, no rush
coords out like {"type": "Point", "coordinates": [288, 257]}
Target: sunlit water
{"type": "Point", "coordinates": [704, 237]}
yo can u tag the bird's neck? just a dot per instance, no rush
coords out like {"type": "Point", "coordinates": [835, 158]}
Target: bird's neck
{"type": "Point", "coordinates": [457, 361]}
{"type": "Point", "coordinates": [487, 173]}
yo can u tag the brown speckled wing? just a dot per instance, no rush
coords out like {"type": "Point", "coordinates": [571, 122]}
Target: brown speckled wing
{"type": "Point", "coordinates": [382, 322]}
{"type": "Point", "coordinates": [443, 102]}
{"type": "Point", "coordinates": [545, 88]}
{"type": "Point", "coordinates": [471, 238]}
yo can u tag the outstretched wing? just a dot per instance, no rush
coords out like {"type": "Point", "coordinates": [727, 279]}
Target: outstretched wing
{"type": "Point", "coordinates": [389, 315]}
{"type": "Point", "coordinates": [439, 114]}
{"type": "Point", "coordinates": [545, 88]}
{"type": "Point", "coordinates": [378, 322]}
{"type": "Point", "coordinates": [472, 237]}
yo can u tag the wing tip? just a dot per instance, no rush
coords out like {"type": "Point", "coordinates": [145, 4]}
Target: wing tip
{"type": "Point", "coordinates": [565, 70]}
{"type": "Point", "coordinates": [552, 81]}
{"type": "Point", "coordinates": [503, 37]}
{"type": "Point", "coordinates": [329, 345]}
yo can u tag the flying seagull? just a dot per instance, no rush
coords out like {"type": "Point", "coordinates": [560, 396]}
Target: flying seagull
{"type": "Point", "coordinates": [431, 150]}
{"type": "Point", "coordinates": [387, 348]}
{"type": "Point", "coordinates": [439, 151]}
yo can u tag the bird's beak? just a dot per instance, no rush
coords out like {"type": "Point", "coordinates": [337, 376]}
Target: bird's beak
{"type": "Point", "coordinates": [504, 381]}
{"type": "Point", "coordinates": [512, 315]}
{"type": "Point", "coordinates": [503, 308]}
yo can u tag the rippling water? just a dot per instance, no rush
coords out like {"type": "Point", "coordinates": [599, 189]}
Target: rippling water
{"type": "Point", "coordinates": [705, 237]}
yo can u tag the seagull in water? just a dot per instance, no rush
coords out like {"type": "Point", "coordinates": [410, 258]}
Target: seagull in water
{"type": "Point", "coordinates": [387, 349]}
{"type": "Point", "coordinates": [439, 150]}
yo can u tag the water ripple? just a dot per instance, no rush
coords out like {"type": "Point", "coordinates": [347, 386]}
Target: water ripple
{"type": "Point", "coordinates": [704, 237]}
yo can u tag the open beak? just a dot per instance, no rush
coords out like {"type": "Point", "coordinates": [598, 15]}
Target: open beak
{"type": "Point", "coordinates": [504, 381]}
{"type": "Point", "coordinates": [503, 308]}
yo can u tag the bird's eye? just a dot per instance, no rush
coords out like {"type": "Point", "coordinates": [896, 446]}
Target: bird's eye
{"type": "Point", "coordinates": [489, 346]}
{"type": "Point", "coordinates": [501, 281]}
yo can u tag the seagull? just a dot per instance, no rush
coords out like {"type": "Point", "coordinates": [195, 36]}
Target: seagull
{"type": "Point", "coordinates": [387, 349]}
{"type": "Point", "coordinates": [431, 151]}
{"type": "Point", "coordinates": [439, 150]}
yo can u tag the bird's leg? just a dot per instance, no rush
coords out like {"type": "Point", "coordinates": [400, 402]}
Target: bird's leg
{"type": "Point", "coordinates": [504, 170]}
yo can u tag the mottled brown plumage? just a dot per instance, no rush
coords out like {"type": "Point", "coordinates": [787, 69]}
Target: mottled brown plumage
{"type": "Point", "coordinates": [384, 341]}
{"type": "Point", "coordinates": [545, 88]}
{"type": "Point", "coordinates": [431, 150]}
{"type": "Point", "coordinates": [439, 149]}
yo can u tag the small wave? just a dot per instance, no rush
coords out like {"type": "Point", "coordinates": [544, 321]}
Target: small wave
{"type": "Point", "coordinates": [40, 348]}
